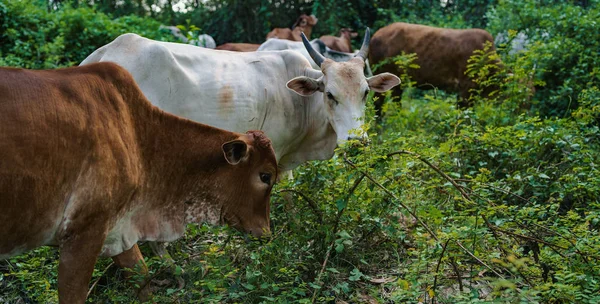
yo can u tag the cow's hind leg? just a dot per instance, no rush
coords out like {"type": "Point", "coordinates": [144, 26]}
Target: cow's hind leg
{"type": "Point", "coordinates": [160, 249]}
{"type": "Point", "coordinates": [133, 261]}
{"type": "Point", "coordinates": [78, 253]}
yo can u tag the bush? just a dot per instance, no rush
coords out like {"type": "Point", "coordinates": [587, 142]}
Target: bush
{"type": "Point", "coordinates": [34, 38]}
{"type": "Point", "coordinates": [562, 48]}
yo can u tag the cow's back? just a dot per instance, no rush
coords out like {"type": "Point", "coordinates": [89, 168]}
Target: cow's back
{"type": "Point", "coordinates": [337, 43]}
{"type": "Point", "coordinates": [64, 135]}
{"type": "Point", "coordinates": [281, 33]}
{"type": "Point", "coordinates": [442, 53]}
{"type": "Point", "coordinates": [238, 47]}
{"type": "Point", "coordinates": [228, 90]}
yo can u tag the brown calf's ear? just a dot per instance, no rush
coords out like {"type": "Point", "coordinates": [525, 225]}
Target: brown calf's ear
{"type": "Point", "coordinates": [235, 151]}
{"type": "Point", "coordinates": [305, 86]}
{"type": "Point", "coordinates": [383, 82]}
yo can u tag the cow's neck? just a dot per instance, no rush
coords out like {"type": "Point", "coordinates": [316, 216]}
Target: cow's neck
{"type": "Point", "coordinates": [318, 139]}
{"type": "Point", "coordinates": [307, 30]}
{"type": "Point", "coordinates": [170, 158]}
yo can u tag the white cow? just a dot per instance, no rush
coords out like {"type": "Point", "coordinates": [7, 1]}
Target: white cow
{"type": "Point", "coordinates": [275, 44]}
{"type": "Point", "coordinates": [305, 112]}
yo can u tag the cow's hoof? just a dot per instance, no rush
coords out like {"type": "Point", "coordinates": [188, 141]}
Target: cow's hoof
{"type": "Point", "coordinates": [144, 294]}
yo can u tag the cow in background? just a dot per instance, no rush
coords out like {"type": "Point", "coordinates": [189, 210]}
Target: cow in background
{"type": "Point", "coordinates": [341, 43]}
{"type": "Point", "coordinates": [202, 40]}
{"type": "Point", "coordinates": [89, 165]}
{"type": "Point", "coordinates": [238, 47]}
{"type": "Point", "coordinates": [442, 55]}
{"type": "Point", "coordinates": [304, 24]}
{"type": "Point", "coordinates": [318, 45]}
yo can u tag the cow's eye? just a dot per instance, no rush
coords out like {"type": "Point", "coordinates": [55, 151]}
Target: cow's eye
{"type": "Point", "coordinates": [366, 93]}
{"type": "Point", "coordinates": [330, 97]}
{"type": "Point", "coordinates": [265, 178]}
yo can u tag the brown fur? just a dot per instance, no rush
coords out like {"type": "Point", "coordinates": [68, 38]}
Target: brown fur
{"type": "Point", "coordinates": [442, 54]}
{"type": "Point", "coordinates": [238, 47]}
{"type": "Point", "coordinates": [341, 43]}
{"type": "Point", "coordinates": [304, 24]}
{"type": "Point", "coordinates": [81, 147]}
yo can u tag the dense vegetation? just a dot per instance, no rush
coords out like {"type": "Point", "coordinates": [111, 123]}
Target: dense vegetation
{"type": "Point", "coordinates": [495, 203]}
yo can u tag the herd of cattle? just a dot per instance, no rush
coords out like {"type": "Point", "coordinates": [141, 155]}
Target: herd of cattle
{"type": "Point", "coordinates": [146, 136]}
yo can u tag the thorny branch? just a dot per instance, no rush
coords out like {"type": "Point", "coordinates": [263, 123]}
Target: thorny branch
{"type": "Point", "coordinates": [437, 268]}
{"type": "Point", "coordinates": [335, 228]}
{"type": "Point", "coordinates": [97, 280]}
{"type": "Point", "coordinates": [416, 217]}
{"type": "Point", "coordinates": [313, 205]}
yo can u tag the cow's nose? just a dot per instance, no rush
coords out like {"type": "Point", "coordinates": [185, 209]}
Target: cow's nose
{"type": "Point", "coordinates": [261, 233]}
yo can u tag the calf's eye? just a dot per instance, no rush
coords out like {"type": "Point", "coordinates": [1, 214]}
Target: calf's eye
{"type": "Point", "coordinates": [265, 178]}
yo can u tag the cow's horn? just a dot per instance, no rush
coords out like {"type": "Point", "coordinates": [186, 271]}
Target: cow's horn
{"type": "Point", "coordinates": [364, 49]}
{"type": "Point", "coordinates": [318, 58]}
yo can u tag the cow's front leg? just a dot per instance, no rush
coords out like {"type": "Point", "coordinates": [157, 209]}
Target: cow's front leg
{"type": "Point", "coordinates": [133, 259]}
{"type": "Point", "coordinates": [78, 253]}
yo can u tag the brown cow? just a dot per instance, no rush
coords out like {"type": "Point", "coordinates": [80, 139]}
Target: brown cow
{"type": "Point", "coordinates": [238, 47]}
{"type": "Point", "coordinates": [304, 24]}
{"type": "Point", "coordinates": [442, 55]}
{"type": "Point", "coordinates": [341, 43]}
{"type": "Point", "coordinates": [89, 165]}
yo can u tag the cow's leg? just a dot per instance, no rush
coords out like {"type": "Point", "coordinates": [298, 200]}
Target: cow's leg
{"type": "Point", "coordinates": [133, 259]}
{"type": "Point", "coordinates": [160, 249]}
{"type": "Point", "coordinates": [396, 93]}
{"type": "Point", "coordinates": [78, 253]}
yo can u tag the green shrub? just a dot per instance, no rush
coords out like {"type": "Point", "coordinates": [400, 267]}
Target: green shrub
{"type": "Point", "coordinates": [34, 38]}
{"type": "Point", "coordinates": [564, 48]}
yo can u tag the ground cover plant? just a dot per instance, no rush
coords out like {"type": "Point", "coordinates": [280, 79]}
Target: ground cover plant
{"type": "Point", "coordinates": [496, 203]}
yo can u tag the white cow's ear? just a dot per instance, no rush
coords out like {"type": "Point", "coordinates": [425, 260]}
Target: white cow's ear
{"type": "Point", "coordinates": [235, 151]}
{"type": "Point", "coordinates": [383, 82]}
{"type": "Point", "coordinates": [305, 86]}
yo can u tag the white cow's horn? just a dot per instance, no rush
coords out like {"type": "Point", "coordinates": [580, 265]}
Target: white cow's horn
{"type": "Point", "coordinates": [364, 49]}
{"type": "Point", "coordinates": [318, 58]}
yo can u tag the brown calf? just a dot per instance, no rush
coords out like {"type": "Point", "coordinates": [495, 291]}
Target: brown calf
{"type": "Point", "coordinates": [442, 54]}
{"type": "Point", "coordinates": [341, 43]}
{"type": "Point", "coordinates": [304, 24]}
{"type": "Point", "coordinates": [238, 47]}
{"type": "Point", "coordinates": [89, 165]}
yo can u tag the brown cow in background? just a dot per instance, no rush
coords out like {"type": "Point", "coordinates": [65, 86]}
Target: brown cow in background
{"type": "Point", "coordinates": [442, 55]}
{"type": "Point", "coordinates": [341, 43]}
{"type": "Point", "coordinates": [304, 24]}
{"type": "Point", "coordinates": [238, 47]}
